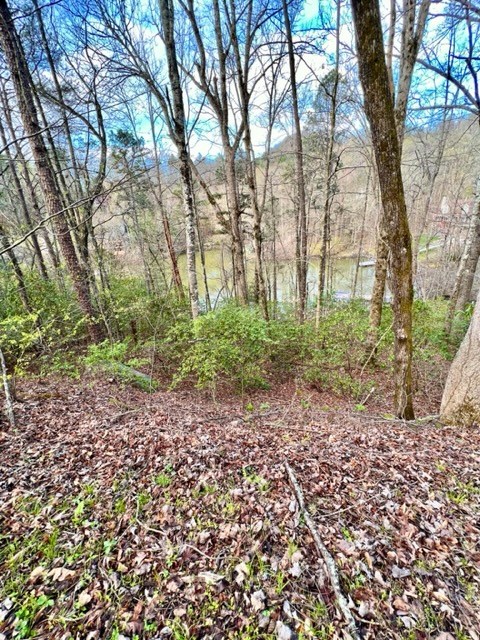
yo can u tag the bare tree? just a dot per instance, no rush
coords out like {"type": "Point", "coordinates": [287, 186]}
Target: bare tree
{"type": "Point", "coordinates": [213, 83]}
{"type": "Point", "coordinates": [413, 28]}
{"type": "Point", "coordinates": [300, 198]}
{"type": "Point", "coordinates": [179, 133]}
{"type": "Point", "coordinates": [22, 82]}
{"type": "Point", "coordinates": [332, 93]}
{"type": "Point", "coordinates": [379, 108]}
{"type": "Point", "coordinates": [460, 70]}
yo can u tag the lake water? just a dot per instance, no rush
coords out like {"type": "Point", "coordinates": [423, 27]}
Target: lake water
{"type": "Point", "coordinates": [219, 276]}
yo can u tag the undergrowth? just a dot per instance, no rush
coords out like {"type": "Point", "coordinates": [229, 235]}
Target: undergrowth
{"type": "Point", "coordinates": [231, 345]}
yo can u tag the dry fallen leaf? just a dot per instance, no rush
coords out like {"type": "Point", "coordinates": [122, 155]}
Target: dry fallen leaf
{"type": "Point", "coordinates": [400, 604]}
{"type": "Point", "coordinates": [37, 572]}
{"type": "Point", "coordinates": [59, 574]}
{"type": "Point", "coordinates": [210, 578]}
{"type": "Point", "coordinates": [84, 598]}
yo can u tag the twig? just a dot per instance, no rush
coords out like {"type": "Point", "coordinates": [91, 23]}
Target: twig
{"type": "Point", "coordinates": [185, 545]}
{"type": "Point", "coordinates": [374, 350]}
{"type": "Point", "coordinates": [325, 553]}
{"type": "Point", "coordinates": [114, 419]}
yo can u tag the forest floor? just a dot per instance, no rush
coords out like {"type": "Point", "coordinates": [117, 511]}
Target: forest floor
{"type": "Point", "coordinates": [129, 515]}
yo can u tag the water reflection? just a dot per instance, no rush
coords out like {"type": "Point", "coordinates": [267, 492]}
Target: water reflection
{"type": "Point", "coordinates": [341, 280]}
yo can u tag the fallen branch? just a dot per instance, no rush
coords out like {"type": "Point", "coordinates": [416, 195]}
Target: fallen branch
{"type": "Point", "coordinates": [325, 553]}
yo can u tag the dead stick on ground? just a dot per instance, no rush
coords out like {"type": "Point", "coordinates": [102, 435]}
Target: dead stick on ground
{"type": "Point", "coordinates": [325, 553]}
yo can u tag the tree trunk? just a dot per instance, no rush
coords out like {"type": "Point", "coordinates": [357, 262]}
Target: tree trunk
{"type": "Point", "coordinates": [242, 71]}
{"type": "Point", "coordinates": [378, 289]}
{"type": "Point", "coordinates": [466, 269]}
{"type": "Point", "coordinates": [37, 215]}
{"type": "Point", "coordinates": [8, 394]}
{"type": "Point", "coordinates": [412, 35]}
{"type": "Point", "coordinates": [329, 174]}
{"type": "Point", "coordinates": [21, 79]}
{"type": "Point", "coordinates": [380, 113]}
{"type": "Point", "coordinates": [413, 28]}
{"type": "Point", "coordinates": [177, 279]}
{"type": "Point", "coordinates": [362, 234]}
{"type": "Point", "coordinates": [17, 270]}
{"type": "Point", "coordinates": [180, 139]}
{"type": "Point", "coordinates": [432, 172]}
{"type": "Point", "coordinates": [238, 253]}
{"type": "Point", "coordinates": [461, 397]}
{"type": "Point", "coordinates": [257, 219]}
{"type": "Point", "coordinates": [465, 291]}
{"type": "Point", "coordinates": [23, 204]}
{"type": "Point", "coordinates": [300, 204]}
{"type": "Point", "coordinates": [201, 247]}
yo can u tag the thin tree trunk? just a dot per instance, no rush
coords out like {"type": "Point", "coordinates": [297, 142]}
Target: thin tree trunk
{"type": "Point", "coordinates": [238, 252]}
{"type": "Point", "coordinates": [378, 289]}
{"type": "Point", "coordinates": [242, 79]}
{"type": "Point", "coordinates": [362, 234]}
{"type": "Point", "coordinates": [466, 269]}
{"type": "Point", "coordinates": [201, 247]}
{"type": "Point", "coordinates": [17, 270]}
{"type": "Point", "coordinates": [329, 173]}
{"type": "Point", "coordinates": [413, 28]}
{"type": "Point", "coordinates": [180, 139]}
{"type": "Point", "coordinates": [391, 42]}
{"type": "Point", "coordinates": [432, 177]}
{"type": "Point", "coordinates": [23, 205]}
{"type": "Point", "coordinates": [300, 204]}
{"type": "Point", "coordinates": [257, 223]}
{"type": "Point", "coordinates": [380, 113]}
{"type": "Point", "coordinates": [216, 91]}
{"type": "Point", "coordinates": [8, 395]}
{"type": "Point", "coordinates": [82, 227]}
{"type": "Point", "coordinates": [412, 35]}
{"type": "Point", "coordinates": [37, 215]}
{"type": "Point", "coordinates": [177, 279]}
{"type": "Point", "coordinates": [465, 292]}
{"type": "Point", "coordinates": [274, 256]}
{"type": "Point", "coordinates": [21, 79]}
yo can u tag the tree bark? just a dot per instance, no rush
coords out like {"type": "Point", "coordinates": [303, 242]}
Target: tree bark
{"type": "Point", "coordinates": [300, 204]}
{"type": "Point", "coordinates": [379, 109]}
{"type": "Point", "coordinates": [180, 139]}
{"type": "Point", "coordinates": [461, 397]}
{"type": "Point", "coordinates": [177, 279]}
{"type": "Point", "coordinates": [17, 270]}
{"type": "Point", "coordinates": [462, 291]}
{"type": "Point", "coordinates": [378, 289]}
{"type": "Point", "coordinates": [329, 174]}
{"type": "Point", "coordinates": [242, 76]}
{"type": "Point", "coordinates": [22, 81]}
{"type": "Point", "coordinates": [413, 28]}
{"type": "Point", "coordinates": [23, 204]}
{"type": "Point", "coordinates": [362, 234]}
{"type": "Point", "coordinates": [8, 394]}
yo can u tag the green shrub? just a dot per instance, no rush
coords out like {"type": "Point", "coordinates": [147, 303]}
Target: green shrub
{"type": "Point", "coordinates": [291, 343]}
{"type": "Point", "coordinates": [230, 343]}
{"type": "Point", "coordinates": [429, 338]}
{"type": "Point", "coordinates": [112, 357]}
{"type": "Point", "coordinates": [131, 309]}
{"type": "Point", "coordinates": [106, 352]}
{"type": "Point", "coordinates": [25, 336]}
